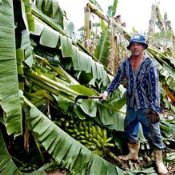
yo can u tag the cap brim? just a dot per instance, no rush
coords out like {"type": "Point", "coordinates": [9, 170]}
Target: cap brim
{"type": "Point", "coordinates": [144, 44]}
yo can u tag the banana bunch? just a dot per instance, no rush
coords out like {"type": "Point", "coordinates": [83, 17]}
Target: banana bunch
{"type": "Point", "coordinates": [89, 134]}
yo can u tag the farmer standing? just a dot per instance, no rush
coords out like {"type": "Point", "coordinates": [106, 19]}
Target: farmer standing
{"type": "Point", "coordinates": [143, 101]}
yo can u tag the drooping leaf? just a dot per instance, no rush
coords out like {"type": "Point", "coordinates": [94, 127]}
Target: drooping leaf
{"type": "Point", "coordinates": [52, 9]}
{"type": "Point", "coordinates": [63, 148]}
{"type": "Point", "coordinates": [9, 98]}
{"type": "Point", "coordinates": [66, 46]}
{"type": "Point", "coordinates": [81, 61]}
{"type": "Point", "coordinates": [26, 46]}
{"type": "Point", "coordinates": [49, 38]}
{"type": "Point", "coordinates": [68, 27]}
{"type": "Point", "coordinates": [89, 107]}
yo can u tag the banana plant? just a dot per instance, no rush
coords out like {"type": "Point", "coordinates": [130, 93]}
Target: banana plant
{"type": "Point", "coordinates": [69, 55]}
{"type": "Point", "coordinates": [10, 101]}
{"type": "Point", "coordinates": [31, 80]}
{"type": "Point", "coordinates": [106, 43]}
{"type": "Point", "coordinates": [48, 72]}
{"type": "Point", "coordinates": [64, 149]}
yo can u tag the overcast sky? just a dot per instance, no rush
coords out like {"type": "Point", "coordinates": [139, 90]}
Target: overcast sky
{"type": "Point", "coordinates": [136, 13]}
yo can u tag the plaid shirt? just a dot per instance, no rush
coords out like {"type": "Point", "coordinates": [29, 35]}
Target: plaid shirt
{"type": "Point", "coordinates": [143, 89]}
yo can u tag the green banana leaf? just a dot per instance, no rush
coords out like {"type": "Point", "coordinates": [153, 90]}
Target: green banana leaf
{"type": "Point", "coordinates": [52, 35]}
{"type": "Point", "coordinates": [27, 48]}
{"type": "Point", "coordinates": [81, 61]}
{"type": "Point", "coordinates": [52, 9]}
{"type": "Point", "coordinates": [168, 76]}
{"type": "Point", "coordinates": [112, 9]}
{"type": "Point", "coordinates": [68, 27]}
{"type": "Point", "coordinates": [103, 46]}
{"type": "Point", "coordinates": [9, 98]}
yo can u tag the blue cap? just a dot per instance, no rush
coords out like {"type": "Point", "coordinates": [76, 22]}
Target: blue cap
{"type": "Point", "coordinates": [137, 39]}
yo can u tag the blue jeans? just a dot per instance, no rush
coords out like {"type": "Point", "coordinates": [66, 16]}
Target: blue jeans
{"type": "Point", "coordinates": [151, 131]}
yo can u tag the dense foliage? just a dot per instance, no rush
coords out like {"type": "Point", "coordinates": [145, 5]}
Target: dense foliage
{"type": "Point", "coordinates": [48, 118]}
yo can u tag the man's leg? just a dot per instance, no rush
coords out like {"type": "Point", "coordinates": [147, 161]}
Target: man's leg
{"type": "Point", "coordinates": [152, 133]}
{"type": "Point", "coordinates": [131, 133]}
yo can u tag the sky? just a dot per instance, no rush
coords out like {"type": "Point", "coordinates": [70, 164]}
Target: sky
{"type": "Point", "coordinates": [135, 13]}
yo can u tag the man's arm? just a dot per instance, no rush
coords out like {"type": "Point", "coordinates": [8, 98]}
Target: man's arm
{"type": "Point", "coordinates": [154, 89]}
{"type": "Point", "coordinates": [154, 95]}
{"type": "Point", "coordinates": [119, 76]}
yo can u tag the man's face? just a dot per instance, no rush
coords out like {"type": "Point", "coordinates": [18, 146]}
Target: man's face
{"type": "Point", "coordinates": [137, 49]}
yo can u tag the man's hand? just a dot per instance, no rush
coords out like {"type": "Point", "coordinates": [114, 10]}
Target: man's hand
{"type": "Point", "coordinates": [104, 95]}
{"type": "Point", "coordinates": [153, 116]}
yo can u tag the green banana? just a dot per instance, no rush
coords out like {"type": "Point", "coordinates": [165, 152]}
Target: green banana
{"type": "Point", "coordinates": [89, 134]}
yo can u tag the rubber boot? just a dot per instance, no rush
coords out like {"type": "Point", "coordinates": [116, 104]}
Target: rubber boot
{"type": "Point", "coordinates": [162, 170]}
{"type": "Point", "coordinates": [133, 152]}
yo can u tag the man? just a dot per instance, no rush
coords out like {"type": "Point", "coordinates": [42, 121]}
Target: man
{"type": "Point", "coordinates": [143, 100]}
